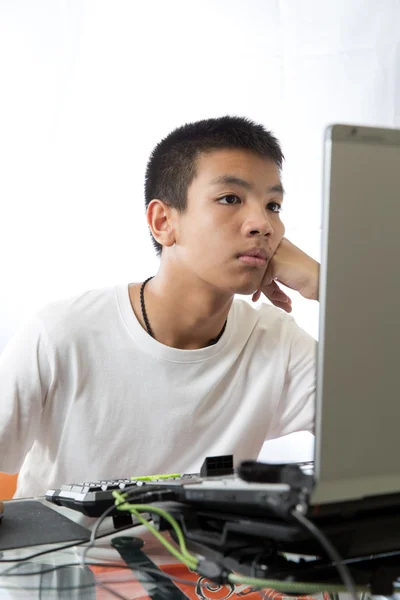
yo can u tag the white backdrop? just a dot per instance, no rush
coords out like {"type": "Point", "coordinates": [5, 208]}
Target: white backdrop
{"type": "Point", "coordinates": [89, 87]}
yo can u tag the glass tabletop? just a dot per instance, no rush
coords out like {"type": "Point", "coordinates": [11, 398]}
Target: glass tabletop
{"type": "Point", "coordinates": [128, 564]}
{"type": "Point", "coordinates": [124, 565]}
{"type": "Point", "coordinates": [74, 569]}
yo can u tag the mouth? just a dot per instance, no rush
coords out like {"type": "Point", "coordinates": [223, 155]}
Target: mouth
{"type": "Point", "coordinates": [255, 257]}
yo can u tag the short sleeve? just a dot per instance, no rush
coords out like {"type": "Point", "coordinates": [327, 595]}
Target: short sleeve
{"type": "Point", "coordinates": [25, 377]}
{"type": "Point", "coordinates": [296, 408]}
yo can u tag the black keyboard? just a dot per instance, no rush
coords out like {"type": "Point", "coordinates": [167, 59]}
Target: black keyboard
{"type": "Point", "coordinates": [92, 498]}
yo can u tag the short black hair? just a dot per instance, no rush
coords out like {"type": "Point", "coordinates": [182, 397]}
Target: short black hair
{"type": "Point", "coordinates": [172, 164]}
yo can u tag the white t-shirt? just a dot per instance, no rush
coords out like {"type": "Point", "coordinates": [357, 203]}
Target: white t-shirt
{"type": "Point", "coordinates": [87, 394]}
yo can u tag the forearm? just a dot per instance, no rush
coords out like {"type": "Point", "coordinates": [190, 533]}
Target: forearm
{"type": "Point", "coordinates": [311, 286]}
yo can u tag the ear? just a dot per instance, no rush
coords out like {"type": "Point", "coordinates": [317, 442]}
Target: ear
{"type": "Point", "coordinates": [160, 219]}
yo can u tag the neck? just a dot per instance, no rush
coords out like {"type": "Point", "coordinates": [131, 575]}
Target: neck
{"type": "Point", "coordinates": [183, 313]}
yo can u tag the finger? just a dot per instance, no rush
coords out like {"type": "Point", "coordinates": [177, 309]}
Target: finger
{"type": "Point", "coordinates": [268, 291]}
{"type": "Point", "coordinates": [273, 291]}
{"type": "Point", "coordinates": [278, 293]}
{"type": "Point", "coordinates": [280, 296]}
{"type": "Point", "coordinates": [283, 305]}
{"type": "Point", "coordinates": [274, 294]}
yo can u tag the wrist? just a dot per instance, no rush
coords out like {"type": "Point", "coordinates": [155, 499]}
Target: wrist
{"type": "Point", "coordinates": [311, 288]}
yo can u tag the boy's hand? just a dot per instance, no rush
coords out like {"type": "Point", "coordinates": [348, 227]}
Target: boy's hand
{"type": "Point", "coordinates": [293, 268]}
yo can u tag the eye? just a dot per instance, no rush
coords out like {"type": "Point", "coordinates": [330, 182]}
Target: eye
{"type": "Point", "coordinates": [229, 199]}
{"type": "Point", "coordinates": [274, 207]}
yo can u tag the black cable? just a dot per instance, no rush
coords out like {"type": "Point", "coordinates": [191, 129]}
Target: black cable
{"type": "Point", "coordinates": [156, 494]}
{"type": "Point", "coordinates": [53, 568]}
{"type": "Point", "coordinates": [331, 551]}
{"type": "Point", "coordinates": [93, 536]}
{"type": "Point", "coordinates": [253, 572]}
{"type": "Point", "coordinates": [96, 583]}
{"type": "Point", "coordinates": [91, 585]}
{"type": "Point", "coordinates": [125, 567]}
{"type": "Point", "coordinates": [49, 551]}
{"type": "Point", "coordinates": [255, 560]}
{"type": "Point", "coordinates": [23, 559]}
{"type": "Point", "coordinates": [58, 548]}
{"type": "Point", "coordinates": [131, 495]}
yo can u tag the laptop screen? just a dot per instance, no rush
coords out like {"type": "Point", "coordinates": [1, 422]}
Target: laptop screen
{"type": "Point", "coordinates": [358, 373]}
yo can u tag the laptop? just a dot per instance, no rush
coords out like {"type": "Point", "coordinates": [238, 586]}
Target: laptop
{"type": "Point", "coordinates": [356, 475]}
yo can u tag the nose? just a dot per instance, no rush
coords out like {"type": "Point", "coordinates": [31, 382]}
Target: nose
{"type": "Point", "coordinates": [256, 224]}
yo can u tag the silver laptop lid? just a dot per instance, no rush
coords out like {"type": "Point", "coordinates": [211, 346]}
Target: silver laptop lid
{"type": "Point", "coordinates": [358, 371]}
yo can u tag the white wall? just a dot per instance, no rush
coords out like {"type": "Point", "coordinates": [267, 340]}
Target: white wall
{"type": "Point", "coordinates": [89, 87]}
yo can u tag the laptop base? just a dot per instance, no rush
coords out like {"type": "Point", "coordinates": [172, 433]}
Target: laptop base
{"type": "Point", "coordinates": [260, 547]}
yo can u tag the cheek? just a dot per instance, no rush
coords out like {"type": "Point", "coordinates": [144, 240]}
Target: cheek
{"type": "Point", "coordinates": [279, 230]}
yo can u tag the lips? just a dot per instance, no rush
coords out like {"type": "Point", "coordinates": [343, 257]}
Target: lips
{"type": "Point", "coordinates": [255, 253]}
{"type": "Point", "coordinates": [255, 257]}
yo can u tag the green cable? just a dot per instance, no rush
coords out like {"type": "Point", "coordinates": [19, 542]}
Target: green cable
{"type": "Point", "coordinates": [184, 556]}
{"type": "Point", "coordinates": [192, 562]}
{"type": "Point", "coordinates": [291, 586]}
{"type": "Point", "coordinates": [162, 513]}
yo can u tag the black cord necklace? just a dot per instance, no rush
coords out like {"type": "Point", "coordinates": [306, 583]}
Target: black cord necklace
{"type": "Point", "coordinates": [144, 313]}
{"type": "Point", "coordinates": [147, 322]}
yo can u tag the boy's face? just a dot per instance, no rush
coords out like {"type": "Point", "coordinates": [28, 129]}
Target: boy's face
{"type": "Point", "coordinates": [232, 212]}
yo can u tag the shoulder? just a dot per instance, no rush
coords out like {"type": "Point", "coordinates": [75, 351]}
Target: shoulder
{"type": "Point", "coordinates": [269, 325]}
{"type": "Point", "coordinates": [69, 316]}
{"type": "Point", "coordinates": [262, 317]}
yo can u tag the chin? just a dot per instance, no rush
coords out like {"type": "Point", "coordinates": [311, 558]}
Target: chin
{"type": "Point", "coordinates": [233, 283]}
{"type": "Point", "coordinates": [245, 288]}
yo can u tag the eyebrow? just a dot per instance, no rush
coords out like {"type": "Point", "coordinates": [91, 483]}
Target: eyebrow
{"type": "Point", "coordinates": [232, 179]}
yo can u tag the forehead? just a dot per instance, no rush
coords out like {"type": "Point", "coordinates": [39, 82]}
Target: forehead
{"type": "Point", "coordinates": [243, 164]}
